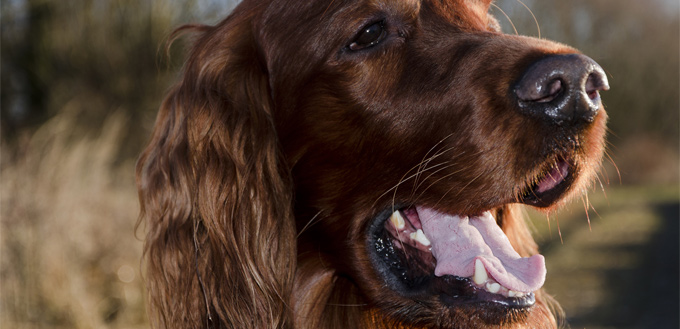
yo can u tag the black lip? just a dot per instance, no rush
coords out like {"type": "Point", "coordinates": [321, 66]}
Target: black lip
{"type": "Point", "coordinates": [461, 291]}
{"type": "Point", "coordinates": [418, 282]}
{"type": "Point", "coordinates": [387, 261]}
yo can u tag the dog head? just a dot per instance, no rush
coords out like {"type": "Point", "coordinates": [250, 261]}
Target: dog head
{"type": "Point", "coordinates": [424, 109]}
{"type": "Point", "coordinates": [389, 142]}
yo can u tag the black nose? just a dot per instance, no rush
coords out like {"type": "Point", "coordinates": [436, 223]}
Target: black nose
{"type": "Point", "coordinates": [563, 89]}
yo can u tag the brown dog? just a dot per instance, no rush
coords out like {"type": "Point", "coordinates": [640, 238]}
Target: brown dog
{"type": "Point", "coordinates": [359, 164]}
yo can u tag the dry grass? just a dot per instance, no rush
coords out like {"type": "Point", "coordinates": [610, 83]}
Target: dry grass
{"type": "Point", "coordinates": [70, 258]}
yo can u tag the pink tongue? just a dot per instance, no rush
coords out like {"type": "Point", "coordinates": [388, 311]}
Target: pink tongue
{"type": "Point", "coordinates": [458, 241]}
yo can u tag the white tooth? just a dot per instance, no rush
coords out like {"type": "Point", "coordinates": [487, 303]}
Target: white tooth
{"type": "Point", "coordinates": [517, 294]}
{"type": "Point", "coordinates": [480, 276]}
{"type": "Point", "coordinates": [397, 220]}
{"type": "Point", "coordinates": [493, 287]}
{"type": "Point", "coordinates": [420, 237]}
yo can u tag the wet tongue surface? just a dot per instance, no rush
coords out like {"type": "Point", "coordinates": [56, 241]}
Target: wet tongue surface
{"type": "Point", "coordinates": [458, 241]}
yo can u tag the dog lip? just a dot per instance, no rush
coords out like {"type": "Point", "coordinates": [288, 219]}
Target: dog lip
{"type": "Point", "coordinates": [465, 292]}
{"type": "Point", "coordinates": [551, 186]}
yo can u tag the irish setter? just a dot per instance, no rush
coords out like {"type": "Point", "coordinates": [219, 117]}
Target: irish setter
{"type": "Point", "coordinates": [362, 164]}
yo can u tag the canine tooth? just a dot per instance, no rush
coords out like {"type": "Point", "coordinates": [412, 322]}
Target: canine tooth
{"type": "Point", "coordinates": [480, 276]}
{"type": "Point", "coordinates": [493, 287]}
{"type": "Point", "coordinates": [419, 236]}
{"type": "Point", "coordinates": [397, 220]}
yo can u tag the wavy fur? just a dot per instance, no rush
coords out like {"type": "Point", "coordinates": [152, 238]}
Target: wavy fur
{"type": "Point", "coordinates": [276, 149]}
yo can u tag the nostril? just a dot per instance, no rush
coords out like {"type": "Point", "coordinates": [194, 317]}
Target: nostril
{"type": "Point", "coordinates": [594, 84]}
{"type": "Point", "coordinates": [553, 90]}
{"type": "Point", "coordinates": [539, 90]}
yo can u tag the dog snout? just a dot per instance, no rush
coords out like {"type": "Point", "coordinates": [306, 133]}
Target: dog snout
{"type": "Point", "coordinates": [562, 89]}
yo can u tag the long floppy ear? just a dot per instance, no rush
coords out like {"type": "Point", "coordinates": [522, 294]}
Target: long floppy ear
{"type": "Point", "coordinates": [216, 199]}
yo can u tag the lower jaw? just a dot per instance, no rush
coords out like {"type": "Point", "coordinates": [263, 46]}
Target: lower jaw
{"type": "Point", "coordinates": [415, 279]}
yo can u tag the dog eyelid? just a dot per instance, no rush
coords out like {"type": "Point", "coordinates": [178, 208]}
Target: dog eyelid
{"type": "Point", "coordinates": [369, 36]}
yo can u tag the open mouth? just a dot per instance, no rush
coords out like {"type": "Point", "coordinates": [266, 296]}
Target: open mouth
{"type": "Point", "coordinates": [463, 259]}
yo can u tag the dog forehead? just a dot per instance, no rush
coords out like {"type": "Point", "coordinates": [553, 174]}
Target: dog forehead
{"type": "Point", "coordinates": [481, 7]}
{"type": "Point", "coordinates": [318, 30]}
{"type": "Point", "coordinates": [292, 22]}
{"type": "Point", "coordinates": [304, 11]}
{"type": "Point", "coordinates": [401, 5]}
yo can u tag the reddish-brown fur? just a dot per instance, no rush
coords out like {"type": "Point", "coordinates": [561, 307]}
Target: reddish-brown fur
{"type": "Point", "coordinates": [279, 145]}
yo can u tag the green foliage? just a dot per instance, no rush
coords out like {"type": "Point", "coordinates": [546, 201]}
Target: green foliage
{"type": "Point", "coordinates": [106, 54]}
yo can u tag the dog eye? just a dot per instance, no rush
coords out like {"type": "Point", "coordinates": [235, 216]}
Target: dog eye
{"type": "Point", "coordinates": [369, 36]}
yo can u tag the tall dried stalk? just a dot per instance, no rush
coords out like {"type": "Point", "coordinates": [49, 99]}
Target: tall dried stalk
{"type": "Point", "coordinates": [70, 258]}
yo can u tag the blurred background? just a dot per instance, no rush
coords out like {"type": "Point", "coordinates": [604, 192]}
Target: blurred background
{"type": "Point", "coordinates": [81, 81]}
